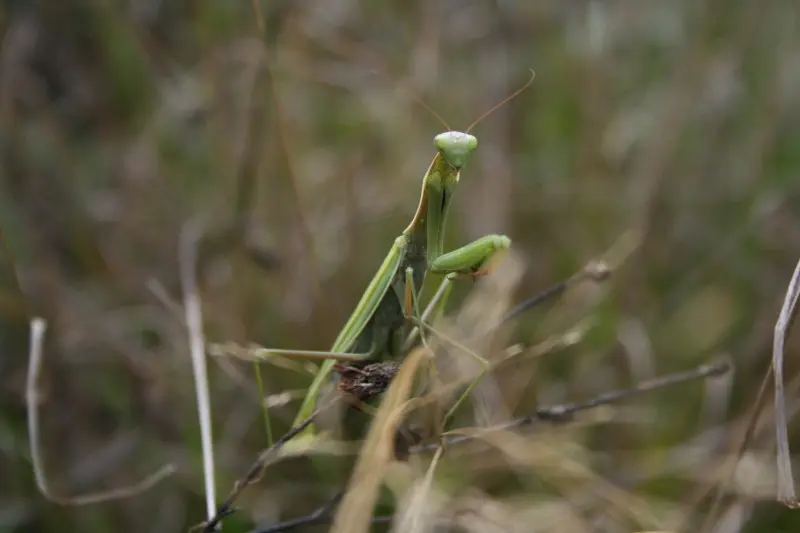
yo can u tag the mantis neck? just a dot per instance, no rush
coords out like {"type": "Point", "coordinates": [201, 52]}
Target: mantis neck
{"type": "Point", "coordinates": [426, 230]}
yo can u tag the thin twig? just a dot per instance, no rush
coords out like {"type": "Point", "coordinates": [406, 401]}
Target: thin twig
{"type": "Point", "coordinates": [786, 493]}
{"type": "Point", "coordinates": [562, 413]}
{"type": "Point", "coordinates": [537, 299]}
{"type": "Point", "coordinates": [256, 470]}
{"type": "Point", "coordinates": [189, 237]}
{"type": "Point", "coordinates": [596, 271]}
{"type": "Point", "coordinates": [702, 371]}
{"type": "Point", "coordinates": [33, 399]}
{"type": "Point", "coordinates": [320, 515]}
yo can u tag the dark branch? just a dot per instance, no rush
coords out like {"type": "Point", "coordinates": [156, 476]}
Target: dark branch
{"type": "Point", "coordinates": [562, 413]}
{"type": "Point", "coordinates": [318, 516]}
{"type": "Point", "coordinates": [255, 471]}
{"type": "Point", "coordinates": [596, 271]}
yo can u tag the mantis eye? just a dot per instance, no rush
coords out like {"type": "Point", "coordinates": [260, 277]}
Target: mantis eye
{"type": "Point", "coordinates": [455, 147]}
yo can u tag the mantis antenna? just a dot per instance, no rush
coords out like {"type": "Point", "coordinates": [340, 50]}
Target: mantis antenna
{"type": "Point", "coordinates": [503, 102]}
{"type": "Point", "coordinates": [488, 112]}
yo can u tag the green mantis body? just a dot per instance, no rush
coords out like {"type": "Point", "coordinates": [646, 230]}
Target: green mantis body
{"type": "Point", "coordinates": [378, 327]}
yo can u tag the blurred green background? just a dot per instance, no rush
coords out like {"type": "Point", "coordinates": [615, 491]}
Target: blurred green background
{"type": "Point", "coordinates": [675, 123]}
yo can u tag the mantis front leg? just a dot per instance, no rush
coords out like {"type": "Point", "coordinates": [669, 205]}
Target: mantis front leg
{"type": "Point", "coordinates": [472, 259]}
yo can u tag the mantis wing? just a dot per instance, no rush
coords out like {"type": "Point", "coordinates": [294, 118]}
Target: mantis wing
{"type": "Point", "coordinates": [358, 321]}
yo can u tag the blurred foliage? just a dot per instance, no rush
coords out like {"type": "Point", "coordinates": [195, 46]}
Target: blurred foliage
{"type": "Point", "coordinates": [675, 121]}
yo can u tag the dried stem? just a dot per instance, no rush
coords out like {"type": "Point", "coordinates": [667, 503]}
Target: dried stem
{"type": "Point", "coordinates": [33, 399]}
{"type": "Point", "coordinates": [786, 492]}
{"type": "Point", "coordinates": [190, 236]}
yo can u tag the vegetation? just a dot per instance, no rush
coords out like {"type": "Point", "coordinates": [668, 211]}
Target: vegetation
{"type": "Point", "coordinates": [660, 137]}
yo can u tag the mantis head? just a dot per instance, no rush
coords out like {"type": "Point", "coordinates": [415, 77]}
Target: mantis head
{"type": "Point", "coordinates": [455, 147]}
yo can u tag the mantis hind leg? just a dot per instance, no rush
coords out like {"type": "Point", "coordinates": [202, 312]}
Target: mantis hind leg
{"type": "Point", "coordinates": [259, 353]}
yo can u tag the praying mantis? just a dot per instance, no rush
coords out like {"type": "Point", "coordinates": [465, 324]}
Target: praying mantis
{"type": "Point", "coordinates": [377, 329]}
